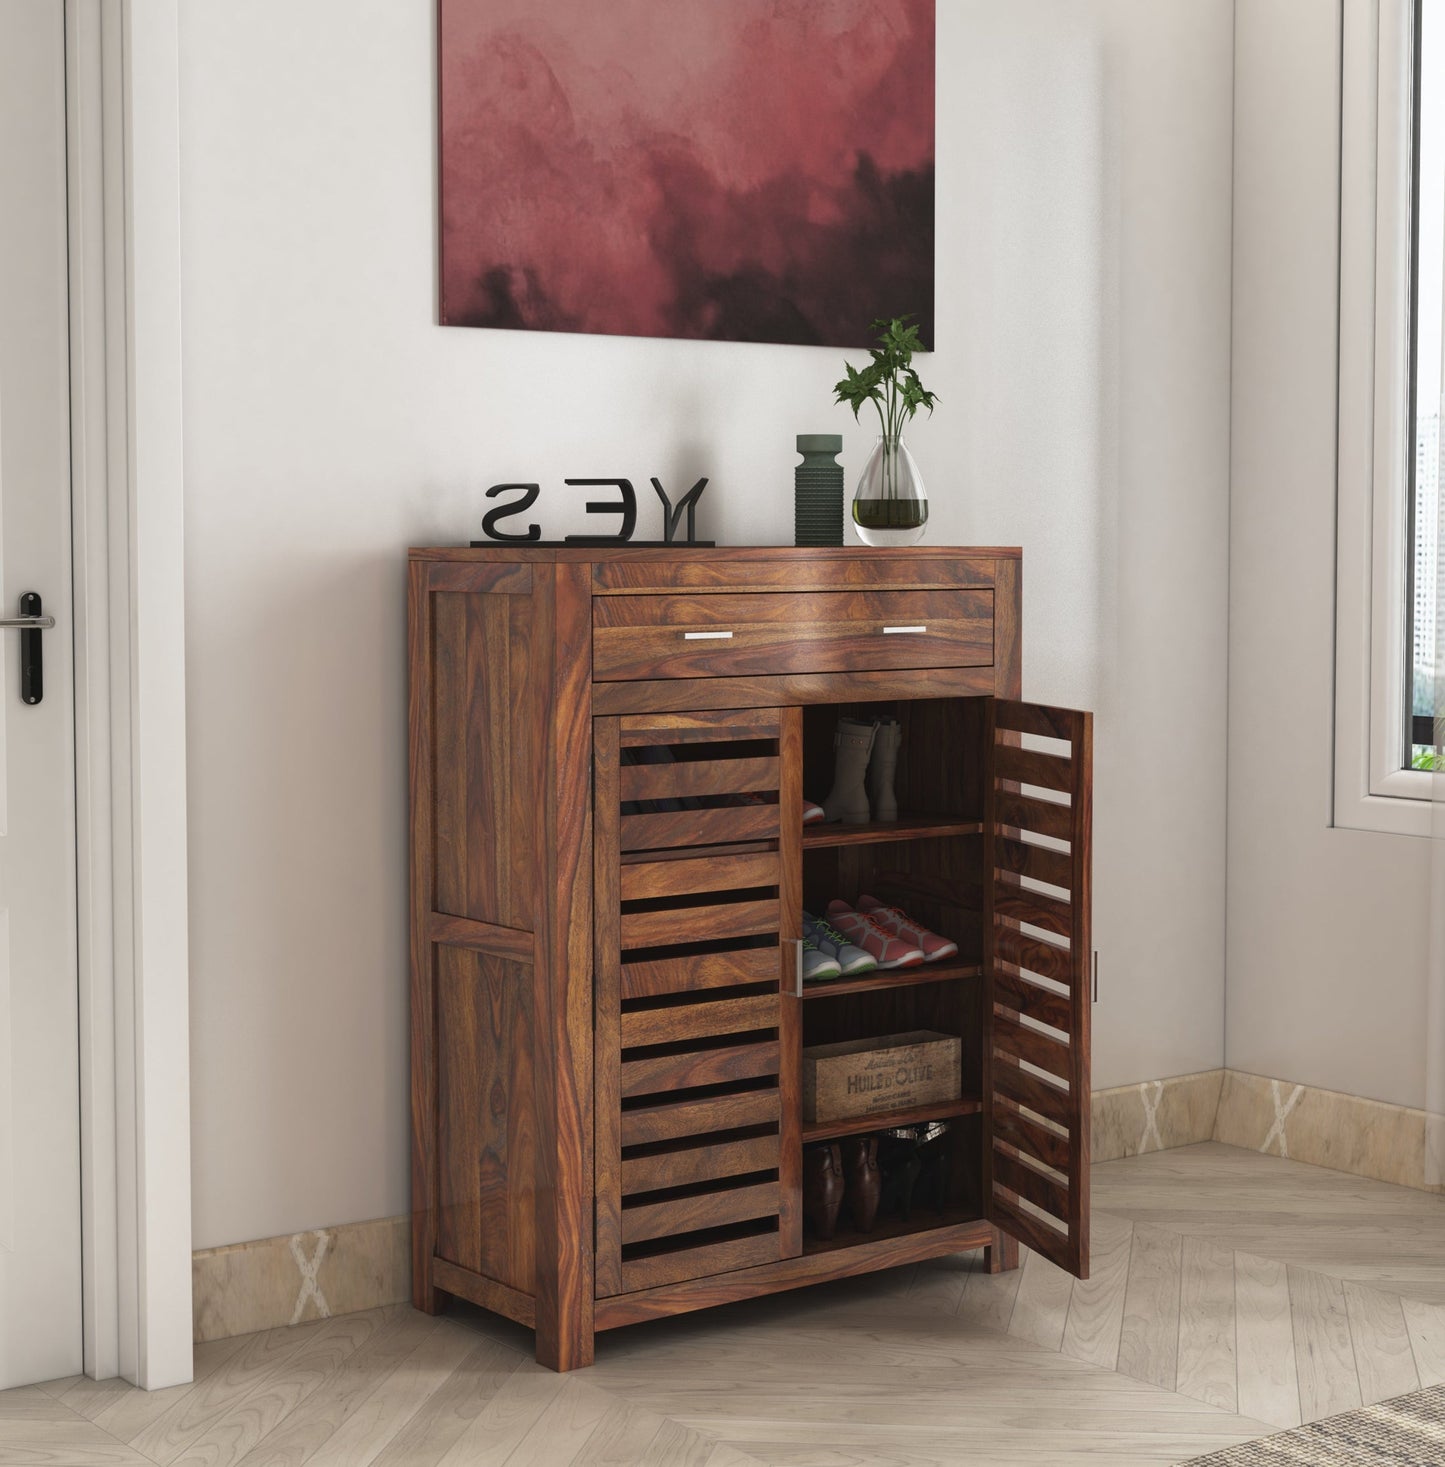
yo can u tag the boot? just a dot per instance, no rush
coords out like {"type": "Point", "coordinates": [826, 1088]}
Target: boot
{"type": "Point", "coordinates": [852, 745]}
{"type": "Point", "coordinates": [865, 1183]}
{"type": "Point", "coordinates": [882, 767]}
{"type": "Point", "coordinates": [822, 1189]}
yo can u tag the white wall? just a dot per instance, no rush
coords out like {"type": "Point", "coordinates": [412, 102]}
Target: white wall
{"type": "Point", "coordinates": [1327, 933]}
{"type": "Point", "coordinates": [1083, 329]}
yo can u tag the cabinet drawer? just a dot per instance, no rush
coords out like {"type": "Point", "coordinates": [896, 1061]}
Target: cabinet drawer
{"type": "Point", "coordinates": [761, 634]}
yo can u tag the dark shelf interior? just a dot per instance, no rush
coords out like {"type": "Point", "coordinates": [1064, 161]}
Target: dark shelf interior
{"type": "Point", "coordinates": [940, 1110]}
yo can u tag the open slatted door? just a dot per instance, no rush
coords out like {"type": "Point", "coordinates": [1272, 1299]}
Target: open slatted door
{"type": "Point", "coordinates": [696, 877]}
{"type": "Point", "coordinates": [1038, 798]}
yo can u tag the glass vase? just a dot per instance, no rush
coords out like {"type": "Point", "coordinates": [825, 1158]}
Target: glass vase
{"type": "Point", "coordinates": [890, 506]}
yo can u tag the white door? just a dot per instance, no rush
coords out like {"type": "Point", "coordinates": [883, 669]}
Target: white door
{"type": "Point", "coordinates": [40, 1328]}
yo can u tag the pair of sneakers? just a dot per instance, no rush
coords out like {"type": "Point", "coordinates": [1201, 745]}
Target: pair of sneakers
{"type": "Point", "coordinates": [889, 934]}
{"type": "Point", "coordinates": [872, 935]}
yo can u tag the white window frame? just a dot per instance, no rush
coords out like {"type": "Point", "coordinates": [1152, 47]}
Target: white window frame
{"type": "Point", "coordinates": [1372, 791]}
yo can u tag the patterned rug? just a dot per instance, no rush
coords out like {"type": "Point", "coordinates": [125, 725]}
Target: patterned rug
{"type": "Point", "coordinates": [1406, 1432]}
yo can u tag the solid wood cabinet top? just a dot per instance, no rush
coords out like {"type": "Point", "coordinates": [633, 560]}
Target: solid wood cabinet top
{"type": "Point", "coordinates": [692, 554]}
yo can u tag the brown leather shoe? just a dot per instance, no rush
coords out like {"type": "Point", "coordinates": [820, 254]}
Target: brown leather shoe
{"type": "Point", "coordinates": [822, 1189]}
{"type": "Point", "coordinates": [865, 1183]}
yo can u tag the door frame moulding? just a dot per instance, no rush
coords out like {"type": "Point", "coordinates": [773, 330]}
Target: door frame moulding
{"type": "Point", "coordinates": [123, 167]}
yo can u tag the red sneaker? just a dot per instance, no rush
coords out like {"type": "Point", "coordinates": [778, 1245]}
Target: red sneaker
{"type": "Point", "coordinates": [885, 947]}
{"type": "Point", "coordinates": [903, 927]}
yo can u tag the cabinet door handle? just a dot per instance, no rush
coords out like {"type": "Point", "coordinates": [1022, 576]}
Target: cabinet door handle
{"type": "Point", "coordinates": [894, 631]}
{"type": "Point", "coordinates": [799, 989]}
{"type": "Point", "coordinates": [707, 636]}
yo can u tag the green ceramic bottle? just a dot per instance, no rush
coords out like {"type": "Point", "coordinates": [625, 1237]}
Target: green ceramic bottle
{"type": "Point", "coordinates": [818, 490]}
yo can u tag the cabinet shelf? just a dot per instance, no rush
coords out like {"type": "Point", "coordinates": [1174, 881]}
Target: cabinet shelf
{"type": "Point", "coordinates": [877, 979]}
{"type": "Point", "coordinates": [940, 1110]}
{"type": "Point", "coordinates": [924, 1220]}
{"type": "Point", "coordinates": [910, 827]}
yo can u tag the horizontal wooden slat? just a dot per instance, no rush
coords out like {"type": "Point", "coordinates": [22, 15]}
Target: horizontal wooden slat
{"type": "Point", "coordinates": [1029, 1044]}
{"type": "Point", "coordinates": [699, 827]}
{"type": "Point", "coordinates": [699, 1067]}
{"type": "Point", "coordinates": [678, 1022]}
{"type": "Point", "coordinates": [713, 1209]}
{"type": "Point", "coordinates": [697, 777]}
{"type": "Point", "coordinates": [1032, 1231]}
{"type": "Point", "coordinates": [1016, 992]}
{"type": "Point", "coordinates": [787, 689]}
{"type": "Point", "coordinates": [1012, 899]}
{"type": "Point", "coordinates": [1038, 862]}
{"type": "Point", "coordinates": [1022, 1180]}
{"type": "Point", "coordinates": [1027, 812]}
{"type": "Point", "coordinates": [704, 971]}
{"type": "Point", "coordinates": [1051, 959]}
{"type": "Point", "coordinates": [1035, 718]}
{"type": "Point", "coordinates": [696, 1263]}
{"type": "Point", "coordinates": [1028, 1090]}
{"type": "Point", "coordinates": [1028, 1135]}
{"type": "Point", "coordinates": [483, 937]}
{"type": "Point", "coordinates": [715, 922]}
{"type": "Point", "coordinates": [477, 1288]}
{"type": "Point", "coordinates": [1028, 767]}
{"type": "Point", "coordinates": [671, 1120]}
{"type": "Point", "coordinates": [638, 729]}
{"type": "Point", "coordinates": [698, 874]}
{"type": "Point", "coordinates": [686, 1166]}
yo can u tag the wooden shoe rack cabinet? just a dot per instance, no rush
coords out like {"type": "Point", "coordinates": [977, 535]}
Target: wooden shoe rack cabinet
{"type": "Point", "coordinates": [606, 1015]}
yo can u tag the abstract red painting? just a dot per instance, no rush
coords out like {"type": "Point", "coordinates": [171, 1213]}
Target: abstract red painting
{"type": "Point", "coordinates": [739, 170]}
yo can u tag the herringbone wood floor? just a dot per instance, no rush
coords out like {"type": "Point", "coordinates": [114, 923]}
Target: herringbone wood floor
{"type": "Point", "coordinates": [1182, 1341]}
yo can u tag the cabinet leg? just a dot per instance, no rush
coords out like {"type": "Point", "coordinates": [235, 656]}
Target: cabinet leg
{"type": "Point", "coordinates": [1002, 1254]}
{"type": "Point", "coordinates": [565, 1348]}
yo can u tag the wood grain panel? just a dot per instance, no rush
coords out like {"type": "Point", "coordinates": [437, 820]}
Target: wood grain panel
{"type": "Point", "coordinates": [700, 972]}
{"type": "Point", "coordinates": [698, 777]}
{"type": "Point", "coordinates": [1035, 718]}
{"type": "Point", "coordinates": [711, 1209]}
{"type": "Point", "coordinates": [641, 637]}
{"type": "Point", "coordinates": [687, 1166]}
{"type": "Point", "coordinates": [699, 827]}
{"type": "Point", "coordinates": [499, 577]}
{"type": "Point", "coordinates": [673, 1119]}
{"type": "Point", "coordinates": [487, 1129]}
{"type": "Point", "coordinates": [486, 937]}
{"type": "Point", "coordinates": [563, 730]}
{"type": "Point", "coordinates": [679, 1022]}
{"type": "Point", "coordinates": [699, 1067]}
{"type": "Point", "coordinates": [698, 874]}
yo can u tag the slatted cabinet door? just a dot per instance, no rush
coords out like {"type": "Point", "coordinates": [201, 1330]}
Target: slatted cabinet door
{"type": "Point", "coordinates": [1038, 798]}
{"type": "Point", "coordinates": [696, 882]}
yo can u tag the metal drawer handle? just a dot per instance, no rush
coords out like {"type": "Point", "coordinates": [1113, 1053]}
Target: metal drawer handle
{"type": "Point", "coordinates": [893, 631]}
{"type": "Point", "coordinates": [707, 636]}
{"type": "Point", "coordinates": [799, 979]}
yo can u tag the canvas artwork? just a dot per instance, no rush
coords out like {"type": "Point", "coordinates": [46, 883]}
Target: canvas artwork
{"type": "Point", "coordinates": [744, 170]}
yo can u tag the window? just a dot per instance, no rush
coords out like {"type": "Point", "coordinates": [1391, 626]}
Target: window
{"type": "Point", "coordinates": [1390, 579]}
{"type": "Point", "coordinates": [1427, 277]}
